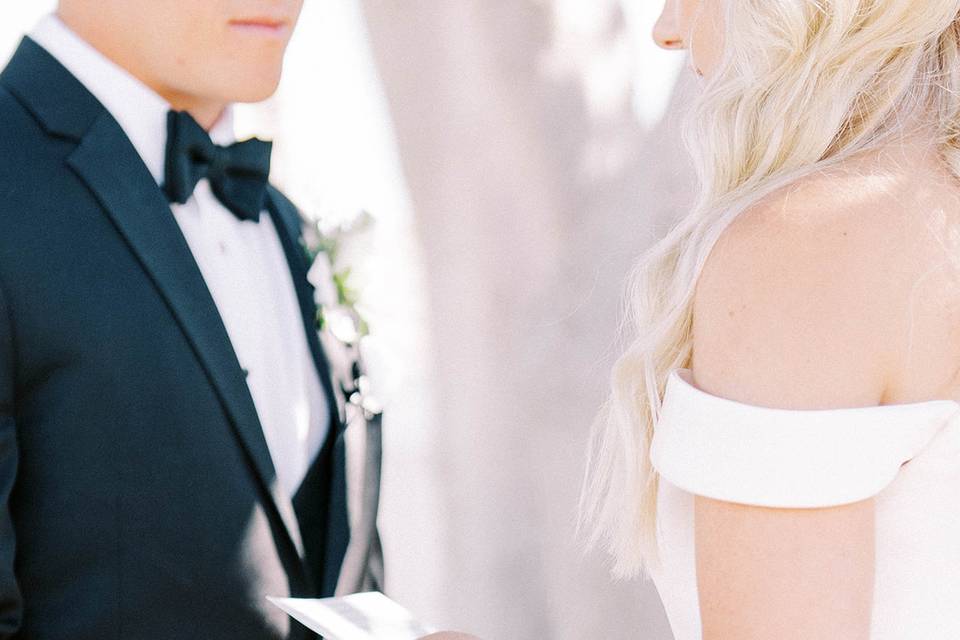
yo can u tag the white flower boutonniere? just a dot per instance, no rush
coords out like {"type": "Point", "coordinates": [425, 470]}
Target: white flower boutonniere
{"type": "Point", "coordinates": [321, 277]}
{"type": "Point", "coordinates": [339, 324]}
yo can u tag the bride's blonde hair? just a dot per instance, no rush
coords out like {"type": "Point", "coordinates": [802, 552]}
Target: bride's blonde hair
{"type": "Point", "coordinates": [801, 84]}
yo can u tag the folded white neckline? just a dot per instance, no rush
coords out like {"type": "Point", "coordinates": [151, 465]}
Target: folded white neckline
{"type": "Point", "coordinates": [681, 375]}
{"type": "Point", "coordinates": [777, 457]}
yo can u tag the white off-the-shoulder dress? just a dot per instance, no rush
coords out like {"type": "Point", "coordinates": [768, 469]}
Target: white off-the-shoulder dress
{"type": "Point", "coordinates": [907, 456]}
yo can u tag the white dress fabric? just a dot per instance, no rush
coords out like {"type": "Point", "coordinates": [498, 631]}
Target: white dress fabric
{"type": "Point", "coordinates": [907, 456]}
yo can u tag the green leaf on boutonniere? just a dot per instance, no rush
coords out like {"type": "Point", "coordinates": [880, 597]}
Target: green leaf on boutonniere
{"type": "Point", "coordinates": [336, 309]}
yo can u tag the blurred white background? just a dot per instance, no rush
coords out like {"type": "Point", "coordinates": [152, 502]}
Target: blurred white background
{"type": "Point", "coordinates": [517, 156]}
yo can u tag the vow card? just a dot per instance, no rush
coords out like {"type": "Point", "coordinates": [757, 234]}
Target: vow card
{"type": "Point", "coordinates": [361, 616]}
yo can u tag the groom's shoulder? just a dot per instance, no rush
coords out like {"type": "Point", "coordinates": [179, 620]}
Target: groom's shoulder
{"type": "Point", "coordinates": [25, 146]}
{"type": "Point", "coordinates": [32, 168]}
{"type": "Point", "coordinates": [28, 151]}
{"type": "Point", "coordinates": [17, 124]}
{"type": "Point", "coordinates": [23, 143]}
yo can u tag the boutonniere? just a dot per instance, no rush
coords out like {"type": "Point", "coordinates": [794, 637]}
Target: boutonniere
{"type": "Point", "coordinates": [340, 325]}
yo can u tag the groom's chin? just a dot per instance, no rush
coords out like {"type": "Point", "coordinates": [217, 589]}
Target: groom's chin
{"type": "Point", "coordinates": [246, 85]}
{"type": "Point", "coordinates": [248, 73]}
{"type": "Point", "coordinates": [256, 92]}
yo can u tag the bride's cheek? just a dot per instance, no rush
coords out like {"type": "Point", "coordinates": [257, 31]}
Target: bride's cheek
{"type": "Point", "coordinates": [707, 40]}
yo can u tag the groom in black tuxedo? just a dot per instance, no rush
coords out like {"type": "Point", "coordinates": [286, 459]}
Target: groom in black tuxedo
{"type": "Point", "coordinates": [171, 444]}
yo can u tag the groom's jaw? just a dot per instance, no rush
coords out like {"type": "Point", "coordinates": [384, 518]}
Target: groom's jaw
{"type": "Point", "coordinates": [200, 55]}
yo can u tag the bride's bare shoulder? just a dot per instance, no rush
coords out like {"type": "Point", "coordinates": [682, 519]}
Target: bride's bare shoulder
{"type": "Point", "coordinates": [846, 282]}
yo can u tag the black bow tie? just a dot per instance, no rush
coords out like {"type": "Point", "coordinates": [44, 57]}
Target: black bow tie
{"type": "Point", "coordinates": [237, 174]}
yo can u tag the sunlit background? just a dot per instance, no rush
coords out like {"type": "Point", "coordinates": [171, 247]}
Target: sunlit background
{"type": "Point", "coordinates": [516, 157]}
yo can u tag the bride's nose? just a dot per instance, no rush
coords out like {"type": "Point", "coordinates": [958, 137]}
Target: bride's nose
{"type": "Point", "coordinates": [666, 32]}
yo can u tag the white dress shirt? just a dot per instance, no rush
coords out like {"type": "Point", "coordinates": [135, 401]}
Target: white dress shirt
{"type": "Point", "coordinates": [242, 262]}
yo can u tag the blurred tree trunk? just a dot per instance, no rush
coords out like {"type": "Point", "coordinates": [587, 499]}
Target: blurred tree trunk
{"type": "Point", "coordinates": [532, 201]}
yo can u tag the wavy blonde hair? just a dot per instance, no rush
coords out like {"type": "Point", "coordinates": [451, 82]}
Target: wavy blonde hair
{"type": "Point", "coordinates": [801, 84]}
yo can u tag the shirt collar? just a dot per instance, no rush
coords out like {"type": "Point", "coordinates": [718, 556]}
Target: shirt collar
{"type": "Point", "coordinates": [140, 111]}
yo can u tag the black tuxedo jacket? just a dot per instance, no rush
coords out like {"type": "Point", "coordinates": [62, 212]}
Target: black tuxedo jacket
{"type": "Point", "coordinates": [138, 499]}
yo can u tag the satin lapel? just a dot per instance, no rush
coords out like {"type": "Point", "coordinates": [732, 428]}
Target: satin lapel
{"type": "Point", "coordinates": [110, 166]}
{"type": "Point", "coordinates": [286, 219]}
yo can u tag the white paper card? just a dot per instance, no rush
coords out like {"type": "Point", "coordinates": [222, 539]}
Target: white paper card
{"type": "Point", "coordinates": [361, 616]}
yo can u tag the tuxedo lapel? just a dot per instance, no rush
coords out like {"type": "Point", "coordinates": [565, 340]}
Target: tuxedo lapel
{"type": "Point", "coordinates": [110, 166]}
{"type": "Point", "coordinates": [287, 222]}
{"type": "Point", "coordinates": [105, 160]}
{"type": "Point", "coordinates": [326, 534]}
